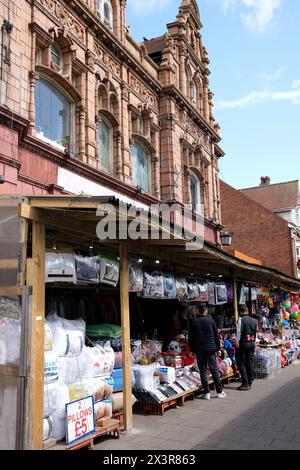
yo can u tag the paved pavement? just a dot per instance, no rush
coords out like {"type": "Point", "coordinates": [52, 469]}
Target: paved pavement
{"type": "Point", "coordinates": [267, 417]}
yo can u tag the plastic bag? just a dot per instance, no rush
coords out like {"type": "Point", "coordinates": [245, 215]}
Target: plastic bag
{"type": "Point", "coordinates": [181, 288]}
{"type": "Point", "coordinates": [48, 338]}
{"type": "Point", "coordinates": [221, 294]}
{"type": "Point", "coordinates": [118, 401]}
{"type": "Point", "coordinates": [58, 427]}
{"type": "Point", "coordinates": [144, 377]}
{"type": "Point", "coordinates": [68, 335]}
{"type": "Point", "coordinates": [60, 267]}
{"type": "Point", "coordinates": [71, 369]}
{"type": "Point", "coordinates": [151, 349]}
{"type": "Point", "coordinates": [10, 307]}
{"type": "Point", "coordinates": [103, 409]}
{"type": "Point", "coordinates": [211, 293]}
{"type": "Point", "coordinates": [136, 351]}
{"type": "Point", "coordinates": [193, 290]}
{"type": "Point", "coordinates": [47, 428]}
{"type": "Point", "coordinates": [50, 397]}
{"type": "Point", "coordinates": [10, 339]}
{"type": "Point", "coordinates": [153, 285]}
{"type": "Point", "coordinates": [169, 286]}
{"type": "Point", "coordinates": [99, 361]}
{"type": "Point", "coordinates": [136, 278]}
{"type": "Point", "coordinates": [50, 367]}
{"type": "Point", "coordinates": [87, 269]}
{"type": "Point", "coordinates": [203, 290]}
{"type": "Point", "coordinates": [109, 271]}
{"type": "Point", "coordinates": [105, 330]}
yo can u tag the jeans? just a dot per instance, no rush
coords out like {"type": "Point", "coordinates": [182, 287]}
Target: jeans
{"type": "Point", "coordinates": [245, 362]}
{"type": "Point", "coordinates": [208, 359]}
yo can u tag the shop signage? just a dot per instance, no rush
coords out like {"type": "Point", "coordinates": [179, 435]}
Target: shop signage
{"type": "Point", "coordinates": [80, 419]}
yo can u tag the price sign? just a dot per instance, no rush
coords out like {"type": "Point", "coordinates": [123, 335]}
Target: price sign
{"type": "Point", "coordinates": [80, 419]}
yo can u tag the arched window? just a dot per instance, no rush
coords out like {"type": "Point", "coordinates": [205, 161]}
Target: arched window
{"type": "Point", "coordinates": [56, 58]}
{"type": "Point", "coordinates": [194, 95]}
{"type": "Point", "coordinates": [195, 190]}
{"type": "Point", "coordinates": [52, 114]}
{"type": "Point", "coordinates": [105, 11]}
{"type": "Point", "coordinates": [141, 167]}
{"type": "Point", "coordinates": [106, 146]}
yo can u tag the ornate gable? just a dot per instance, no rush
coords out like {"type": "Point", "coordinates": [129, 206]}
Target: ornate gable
{"type": "Point", "coordinates": [190, 8]}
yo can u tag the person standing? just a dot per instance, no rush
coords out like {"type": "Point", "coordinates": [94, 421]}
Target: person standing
{"type": "Point", "coordinates": [245, 344]}
{"type": "Point", "coordinates": [204, 342]}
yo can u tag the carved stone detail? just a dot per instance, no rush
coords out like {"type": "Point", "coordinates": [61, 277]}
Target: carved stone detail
{"type": "Point", "coordinates": [64, 17]}
{"type": "Point", "coordinates": [107, 60]}
{"type": "Point", "coordinates": [138, 86]}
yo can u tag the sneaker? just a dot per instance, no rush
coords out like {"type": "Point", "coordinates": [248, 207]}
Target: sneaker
{"type": "Point", "coordinates": [243, 388]}
{"type": "Point", "coordinates": [221, 395]}
{"type": "Point", "coordinates": [205, 396]}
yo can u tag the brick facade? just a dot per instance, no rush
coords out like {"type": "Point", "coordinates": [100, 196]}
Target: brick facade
{"type": "Point", "coordinates": [161, 100]}
{"type": "Point", "coordinates": [257, 231]}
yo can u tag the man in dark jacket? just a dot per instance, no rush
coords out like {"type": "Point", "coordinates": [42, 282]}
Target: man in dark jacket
{"type": "Point", "coordinates": [204, 342]}
{"type": "Point", "coordinates": [245, 343]}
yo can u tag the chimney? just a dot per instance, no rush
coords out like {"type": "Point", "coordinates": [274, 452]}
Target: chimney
{"type": "Point", "coordinates": [265, 181]}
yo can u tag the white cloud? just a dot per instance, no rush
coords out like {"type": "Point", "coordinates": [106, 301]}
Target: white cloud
{"type": "Point", "coordinates": [145, 7]}
{"type": "Point", "coordinates": [258, 97]}
{"type": "Point", "coordinates": [259, 13]}
{"type": "Point", "coordinates": [273, 78]}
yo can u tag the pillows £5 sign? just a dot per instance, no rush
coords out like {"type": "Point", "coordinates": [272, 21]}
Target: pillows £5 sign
{"type": "Point", "coordinates": [80, 419]}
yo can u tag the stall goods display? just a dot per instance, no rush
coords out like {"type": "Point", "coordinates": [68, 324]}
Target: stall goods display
{"type": "Point", "coordinates": [48, 340]}
{"type": "Point", "coordinates": [50, 398]}
{"type": "Point", "coordinates": [221, 293]}
{"type": "Point", "coordinates": [47, 428]}
{"type": "Point", "coordinates": [58, 427]}
{"type": "Point", "coordinates": [136, 278]}
{"type": "Point", "coordinates": [10, 338]}
{"type": "Point", "coordinates": [193, 290]}
{"type": "Point", "coordinates": [266, 363]}
{"type": "Point", "coordinates": [117, 376]}
{"type": "Point", "coordinates": [71, 369]}
{"type": "Point", "coordinates": [144, 377]}
{"type": "Point", "coordinates": [68, 335]}
{"type": "Point", "coordinates": [8, 416]}
{"type": "Point", "coordinates": [168, 374]}
{"type": "Point", "coordinates": [172, 359]}
{"type": "Point", "coordinates": [104, 330]}
{"type": "Point", "coordinates": [117, 400]}
{"type": "Point", "coordinates": [60, 267]}
{"type": "Point", "coordinates": [181, 288]}
{"type": "Point", "coordinates": [211, 293]}
{"type": "Point", "coordinates": [151, 350]}
{"type": "Point", "coordinates": [154, 285]}
{"type": "Point", "coordinates": [87, 269]}
{"type": "Point", "coordinates": [109, 271]}
{"type": "Point", "coordinates": [169, 286]}
{"type": "Point", "coordinates": [50, 367]}
{"type": "Point", "coordinates": [103, 409]}
{"type": "Point", "coordinates": [203, 292]}
{"type": "Point", "coordinates": [10, 308]}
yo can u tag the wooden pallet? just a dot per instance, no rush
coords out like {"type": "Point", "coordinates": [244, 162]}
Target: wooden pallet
{"type": "Point", "coordinates": [111, 429]}
{"type": "Point", "coordinates": [160, 408]}
{"type": "Point", "coordinates": [119, 415]}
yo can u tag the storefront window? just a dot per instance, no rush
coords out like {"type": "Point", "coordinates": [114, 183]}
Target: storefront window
{"type": "Point", "coordinates": [53, 114]}
{"type": "Point", "coordinates": [106, 146]}
{"type": "Point", "coordinates": [141, 167]}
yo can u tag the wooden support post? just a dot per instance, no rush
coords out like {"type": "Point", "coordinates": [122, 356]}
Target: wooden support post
{"type": "Point", "coordinates": [36, 279]}
{"type": "Point", "coordinates": [125, 318]}
{"type": "Point", "coordinates": [235, 302]}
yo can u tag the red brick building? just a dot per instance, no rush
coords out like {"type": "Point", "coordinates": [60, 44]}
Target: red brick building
{"type": "Point", "coordinates": [84, 109]}
{"type": "Point", "coordinates": [258, 232]}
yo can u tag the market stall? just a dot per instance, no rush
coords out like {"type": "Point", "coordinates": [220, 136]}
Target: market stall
{"type": "Point", "coordinates": [146, 289]}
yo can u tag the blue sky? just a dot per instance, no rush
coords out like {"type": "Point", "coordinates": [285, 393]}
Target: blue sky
{"type": "Point", "coordinates": [254, 49]}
